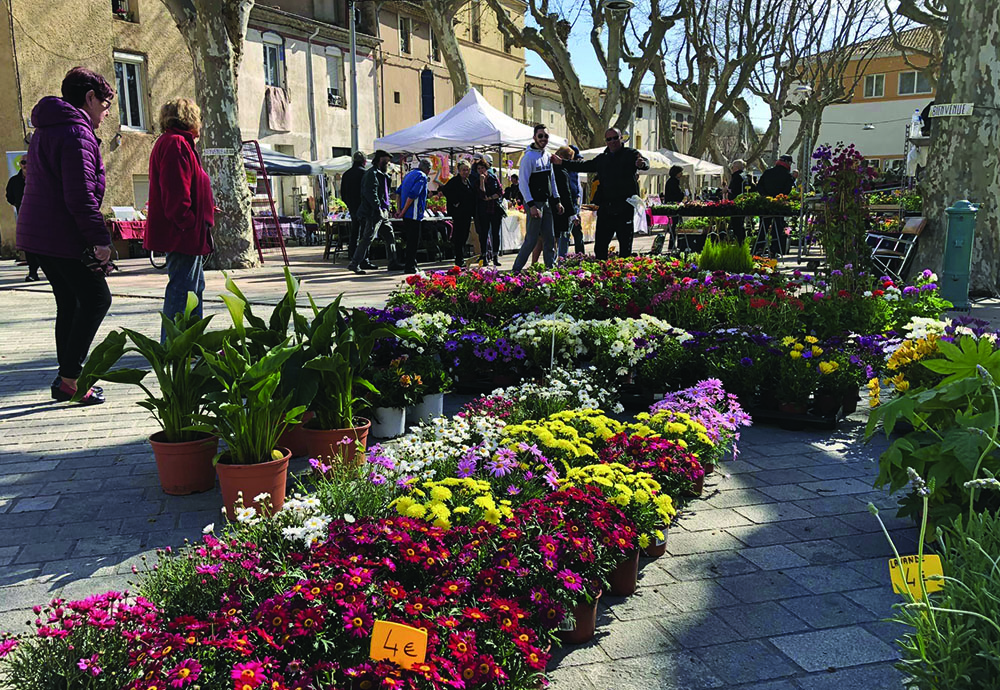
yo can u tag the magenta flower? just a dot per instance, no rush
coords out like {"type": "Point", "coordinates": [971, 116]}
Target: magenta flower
{"type": "Point", "coordinates": [251, 673]}
{"type": "Point", "coordinates": [89, 665]}
{"type": "Point", "coordinates": [184, 673]}
{"type": "Point", "coordinates": [570, 580]}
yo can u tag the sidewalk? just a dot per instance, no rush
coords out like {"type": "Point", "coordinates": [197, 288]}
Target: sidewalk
{"type": "Point", "coordinates": [776, 580]}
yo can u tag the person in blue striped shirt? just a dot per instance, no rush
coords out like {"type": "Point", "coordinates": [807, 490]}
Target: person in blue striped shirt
{"type": "Point", "coordinates": [413, 195]}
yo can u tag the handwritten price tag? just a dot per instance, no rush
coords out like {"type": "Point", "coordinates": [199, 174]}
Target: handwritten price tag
{"type": "Point", "coordinates": [906, 578]}
{"type": "Point", "coordinates": [398, 643]}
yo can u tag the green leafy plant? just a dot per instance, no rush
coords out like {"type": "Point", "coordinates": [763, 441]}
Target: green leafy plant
{"type": "Point", "coordinates": [955, 631]}
{"type": "Point", "coordinates": [956, 424]}
{"type": "Point", "coordinates": [397, 384]}
{"type": "Point", "coordinates": [178, 366]}
{"type": "Point", "coordinates": [338, 346]}
{"type": "Point", "coordinates": [726, 256]}
{"type": "Point", "coordinates": [248, 413]}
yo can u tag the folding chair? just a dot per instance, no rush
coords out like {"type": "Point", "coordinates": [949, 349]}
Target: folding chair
{"type": "Point", "coordinates": [894, 253]}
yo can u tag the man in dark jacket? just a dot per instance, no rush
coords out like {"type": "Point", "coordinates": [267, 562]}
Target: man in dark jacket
{"type": "Point", "coordinates": [15, 193]}
{"type": "Point", "coordinates": [374, 213]}
{"type": "Point", "coordinates": [513, 192]}
{"type": "Point", "coordinates": [737, 185]}
{"type": "Point", "coordinates": [617, 167]}
{"type": "Point", "coordinates": [350, 193]}
{"type": "Point", "coordinates": [774, 181]}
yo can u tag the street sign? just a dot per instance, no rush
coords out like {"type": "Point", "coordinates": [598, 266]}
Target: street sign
{"type": "Point", "coordinates": [218, 152]}
{"type": "Point", "coordinates": [951, 110]}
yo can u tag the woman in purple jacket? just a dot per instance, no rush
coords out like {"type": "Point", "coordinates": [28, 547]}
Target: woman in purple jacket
{"type": "Point", "coordinates": [60, 222]}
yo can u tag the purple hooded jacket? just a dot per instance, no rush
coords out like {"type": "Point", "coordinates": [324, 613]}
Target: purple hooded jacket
{"type": "Point", "coordinates": [61, 211]}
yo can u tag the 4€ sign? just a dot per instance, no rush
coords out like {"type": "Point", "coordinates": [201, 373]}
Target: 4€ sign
{"type": "Point", "coordinates": [905, 579]}
{"type": "Point", "coordinates": [398, 643]}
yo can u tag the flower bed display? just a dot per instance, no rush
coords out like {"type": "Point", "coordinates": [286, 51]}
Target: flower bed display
{"type": "Point", "coordinates": [748, 204]}
{"type": "Point", "coordinates": [484, 530]}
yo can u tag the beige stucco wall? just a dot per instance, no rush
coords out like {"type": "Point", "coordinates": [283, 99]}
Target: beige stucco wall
{"type": "Point", "coordinates": [11, 125]}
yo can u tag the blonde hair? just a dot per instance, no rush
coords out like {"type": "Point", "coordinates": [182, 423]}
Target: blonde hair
{"type": "Point", "coordinates": [464, 164]}
{"type": "Point", "coordinates": [565, 152]}
{"type": "Point", "coordinates": [180, 113]}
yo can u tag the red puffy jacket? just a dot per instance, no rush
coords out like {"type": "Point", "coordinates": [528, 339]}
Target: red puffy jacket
{"type": "Point", "coordinates": [181, 206]}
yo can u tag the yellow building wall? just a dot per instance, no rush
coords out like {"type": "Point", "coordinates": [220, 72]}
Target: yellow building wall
{"type": "Point", "coordinates": [891, 66]}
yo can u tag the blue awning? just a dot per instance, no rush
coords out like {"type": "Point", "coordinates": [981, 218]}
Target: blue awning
{"type": "Point", "coordinates": [278, 163]}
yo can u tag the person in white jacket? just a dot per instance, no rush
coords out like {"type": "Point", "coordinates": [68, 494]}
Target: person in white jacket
{"type": "Point", "coordinates": [541, 199]}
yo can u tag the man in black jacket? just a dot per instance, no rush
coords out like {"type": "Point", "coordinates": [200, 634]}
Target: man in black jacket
{"type": "Point", "coordinates": [737, 185]}
{"type": "Point", "coordinates": [774, 181]}
{"type": "Point", "coordinates": [350, 193]}
{"type": "Point", "coordinates": [617, 167]}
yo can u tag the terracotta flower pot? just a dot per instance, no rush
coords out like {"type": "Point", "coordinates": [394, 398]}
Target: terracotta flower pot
{"type": "Point", "coordinates": [345, 445]}
{"type": "Point", "coordinates": [697, 487]}
{"type": "Point", "coordinates": [709, 468]}
{"type": "Point", "coordinates": [581, 623]}
{"type": "Point", "coordinates": [624, 577]}
{"type": "Point", "coordinates": [252, 480]}
{"type": "Point", "coordinates": [849, 403]}
{"type": "Point", "coordinates": [293, 439]}
{"type": "Point", "coordinates": [185, 467]}
{"type": "Point", "coordinates": [658, 547]}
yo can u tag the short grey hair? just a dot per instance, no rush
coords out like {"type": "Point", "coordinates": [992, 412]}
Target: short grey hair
{"type": "Point", "coordinates": [424, 165]}
{"type": "Point", "coordinates": [738, 164]}
{"type": "Point", "coordinates": [359, 158]}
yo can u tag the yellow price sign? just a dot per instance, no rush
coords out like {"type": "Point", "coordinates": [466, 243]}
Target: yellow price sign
{"type": "Point", "coordinates": [398, 643]}
{"type": "Point", "coordinates": [905, 578]}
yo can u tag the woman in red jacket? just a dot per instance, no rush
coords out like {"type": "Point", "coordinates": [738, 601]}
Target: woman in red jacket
{"type": "Point", "coordinates": [181, 207]}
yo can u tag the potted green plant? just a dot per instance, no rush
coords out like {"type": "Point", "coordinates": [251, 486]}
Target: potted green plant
{"type": "Point", "coordinates": [338, 347]}
{"type": "Point", "coordinates": [397, 388]}
{"type": "Point", "coordinates": [183, 456]}
{"type": "Point", "coordinates": [249, 411]}
{"type": "Point", "coordinates": [434, 382]}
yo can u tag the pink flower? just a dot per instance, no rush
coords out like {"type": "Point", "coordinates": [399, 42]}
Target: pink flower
{"type": "Point", "coordinates": [251, 673]}
{"type": "Point", "coordinates": [184, 673]}
{"type": "Point", "coordinates": [89, 665]}
{"type": "Point", "coordinates": [570, 580]}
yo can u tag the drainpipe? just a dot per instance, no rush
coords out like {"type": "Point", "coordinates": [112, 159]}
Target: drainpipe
{"type": "Point", "coordinates": [311, 95]}
{"type": "Point", "coordinates": [351, 7]}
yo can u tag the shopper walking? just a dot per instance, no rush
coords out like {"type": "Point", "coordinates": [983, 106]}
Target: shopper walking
{"type": "Point", "coordinates": [617, 168]}
{"type": "Point", "coordinates": [541, 198]}
{"type": "Point", "coordinates": [374, 213]}
{"type": "Point", "coordinates": [489, 212]}
{"type": "Point", "coordinates": [774, 181]}
{"type": "Point", "coordinates": [461, 198]}
{"type": "Point", "coordinates": [15, 193]}
{"type": "Point", "coordinates": [576, 193]}
{"type": "Point", "coordinates": [60, 221]}
{"type": "Point", "coordinates": [413, 194]}
{"type": "Point", "coordinates": [350, 194]}
{"type": "Point", "coordinates": [673, 193]}
{"type": "Point", "coordinates": [181, 206]}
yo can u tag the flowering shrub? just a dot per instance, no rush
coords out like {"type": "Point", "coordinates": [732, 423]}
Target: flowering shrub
{"type": "Point", "coordinates": [841, 176]}
{"type": "Point", "coordinates": [719, 412]}
{"type": "Point", "coordinates": [668, 462]}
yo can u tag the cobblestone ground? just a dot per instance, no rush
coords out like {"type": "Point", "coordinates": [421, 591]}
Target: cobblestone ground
{"type": "Point", "coordinates": [777, 579]}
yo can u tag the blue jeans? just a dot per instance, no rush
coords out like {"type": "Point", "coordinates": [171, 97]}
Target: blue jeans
{"type": "Point", "coordinates": [535, 228]}
{"type": "Point", "coordinates": [186, 274]}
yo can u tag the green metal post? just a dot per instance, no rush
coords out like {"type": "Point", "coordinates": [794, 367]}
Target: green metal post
{"type": "Point", "coordinates": [958, 253]}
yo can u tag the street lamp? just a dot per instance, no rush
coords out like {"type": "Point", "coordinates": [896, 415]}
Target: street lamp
{"type": "Point", "coordinates": [618, 5]}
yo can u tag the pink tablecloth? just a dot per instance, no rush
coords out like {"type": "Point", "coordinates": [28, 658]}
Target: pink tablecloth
{"type": "Point", "coordinates": [657, 220]}
{"type": "Point", "coordinates": [127, 229]}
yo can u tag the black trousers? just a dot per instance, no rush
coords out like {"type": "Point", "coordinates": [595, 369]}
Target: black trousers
{"type": "Point", "coordinates": [488, 228]}
{"type": "Point", "coordinates": [738, 229]}
{"type": "Point", "coordinates": [411, 233]}
{"type": "Point", "coordinates": [82, 302]}
{"type": "Point", "coordinates": [32, 260]}
{"type": "Point", "coordinates": [614, 218]}
{"type": "Point", "coordinates": [460, 237]}
{"type": "Point", "coordinates": [352, 244]}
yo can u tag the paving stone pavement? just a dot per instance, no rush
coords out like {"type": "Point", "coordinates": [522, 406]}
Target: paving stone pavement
{"type": "Point", "coordinates": [775, 580]}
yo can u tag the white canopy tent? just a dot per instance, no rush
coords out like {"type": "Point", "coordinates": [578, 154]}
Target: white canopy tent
{"type": "Point", "coordinates": [472, 123]}
{"type": "Point", "coordinates": [701, 167]}
{"type": "Point", "coordinates": [341, 164]}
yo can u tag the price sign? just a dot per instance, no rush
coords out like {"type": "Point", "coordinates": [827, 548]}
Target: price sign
{"type": "Point", "coordinates": [398, 643]}
{"type": "Point", "coordinates": [906, 578]}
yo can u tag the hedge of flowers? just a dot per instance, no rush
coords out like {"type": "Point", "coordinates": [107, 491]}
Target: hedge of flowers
{"type": "Point", "coordinates": [652, 324]}
{"type": "Point", "coordinates": [484, 530]}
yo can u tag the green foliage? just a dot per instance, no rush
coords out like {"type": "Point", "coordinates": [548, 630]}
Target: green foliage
{"type": "Point", "coordinates": [726, 256]}
{"type": "Point", "coordinates": [180, 371]}
{"type": "Point", "coordinates": [248, 413]}
{"type": "Point", "coordinates": [955, 429]}
{"type": "Point", "coordinates": [955, 645]}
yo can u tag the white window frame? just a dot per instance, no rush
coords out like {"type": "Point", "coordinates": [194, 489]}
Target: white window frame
{"type": "Point", "coordinates": [874, 82]}
{"type": "Point", "coordinates": [435, 46]}
{"type": "Point", "coordinates": [138, 62]}
{"type": "Point", "coordinates": [408, 34]}
{"type": "Point", "coordinates": [335, 61]}
{"type": "Point", "coordinates": [272, 42]}
{"type": "Point", "coordinates": [916, 84]}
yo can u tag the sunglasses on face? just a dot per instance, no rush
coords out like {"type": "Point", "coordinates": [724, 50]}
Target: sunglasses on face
{"type": "Point", "coordinates": [541, 135]}
{"type": "Point", "coordinates": [611, 138]}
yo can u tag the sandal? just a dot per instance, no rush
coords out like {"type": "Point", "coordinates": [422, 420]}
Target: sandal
{"type": "Point", "coordinates": [62, 394]}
